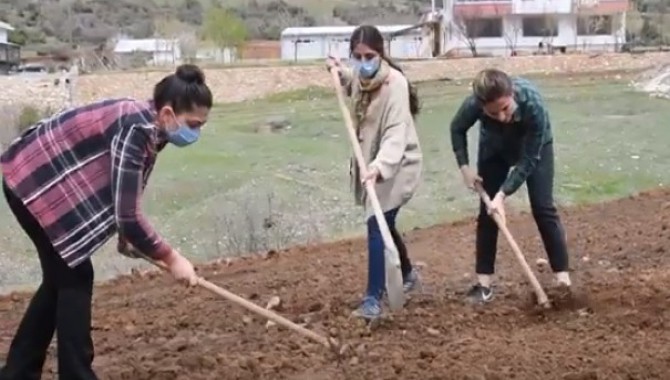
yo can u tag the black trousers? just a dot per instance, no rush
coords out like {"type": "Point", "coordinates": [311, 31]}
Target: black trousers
{"type": "Point", "coordinates": [61, 304]}
{"type": "Point", "coordinates": [540, 183]}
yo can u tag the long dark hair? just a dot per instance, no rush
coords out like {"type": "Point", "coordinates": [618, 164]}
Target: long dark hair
{"type": "Point", "coordinates": [183, 90]}
{"type": "Point", "coordinates": [370, 36]}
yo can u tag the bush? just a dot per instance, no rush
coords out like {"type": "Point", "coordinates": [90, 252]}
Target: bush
{"type": "Point", "coordinates": [28, 117]}
{"type": "Point", "coordinates": [255, 221]}
{"type": "Point", "coordinates": [18, 120]}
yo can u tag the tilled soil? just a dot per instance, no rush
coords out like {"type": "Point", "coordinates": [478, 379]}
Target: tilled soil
{"type": "Point", "coordinates": [615, 325]}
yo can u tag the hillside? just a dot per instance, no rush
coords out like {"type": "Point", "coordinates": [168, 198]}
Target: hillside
{"type": "Point", "coordinates": [55, 24]}
{"type": "Point", "coordinates": [93, 22]}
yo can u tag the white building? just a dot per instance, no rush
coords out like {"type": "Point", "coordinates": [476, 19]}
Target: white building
{"type": "Point", "coordinates": [156, 51]}
{"type": "Point", "coordinates": [500, 27]}
{"type": "Point", "coordinates": [10, 54]}
{"type": "Point", "coordinates": [5, 28]}
{"type": "Point", "coordinates": [309, 43]}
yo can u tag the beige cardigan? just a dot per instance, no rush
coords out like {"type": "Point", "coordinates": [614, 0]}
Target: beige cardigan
{"type": "Point", "coordinates": [389, 143]}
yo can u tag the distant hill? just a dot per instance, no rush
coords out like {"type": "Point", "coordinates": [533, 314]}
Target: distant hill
{"type": "Point", "coordinates": [54, 24]}
{"type": "Point", "coordinates": [41, 23]}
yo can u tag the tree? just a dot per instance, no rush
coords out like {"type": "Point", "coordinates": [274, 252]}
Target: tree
{"type": "Point", "coordinates": [224, 28]}
{"type": "Point", "coordinates": [190, 12]}
{"type": "Point", "coordinates": [634, 26]}
{"type": "Point", "coordinates": [468, 29]}
{"type": "Point", "coordinates": [511, 35]}
{"type": "Point", "coordinates": [179, 36]}
{"type": "Point", "coordinates": [18, 36]}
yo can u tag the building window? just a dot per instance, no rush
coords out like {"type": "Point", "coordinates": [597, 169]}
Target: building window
{"type": "Point", "coordinates": [595, 25]}
{"type": "Point", "coordinates": [540, 26]}
{"type": "Point", "coordinates": [484, 27]}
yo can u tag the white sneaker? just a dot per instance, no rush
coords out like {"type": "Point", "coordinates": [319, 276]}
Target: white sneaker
{"type": "Point", "coordinates": [563, 279]}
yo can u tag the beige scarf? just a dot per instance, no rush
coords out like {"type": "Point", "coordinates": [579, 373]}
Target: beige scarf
{"type": "Point", "coordinates": [363, 96]}
{"type": "Point", "coordinates": [361, 101]}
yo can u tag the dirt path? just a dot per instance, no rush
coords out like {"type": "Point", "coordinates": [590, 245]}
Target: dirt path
{"type": "Point", "coordinates": [619, 327]}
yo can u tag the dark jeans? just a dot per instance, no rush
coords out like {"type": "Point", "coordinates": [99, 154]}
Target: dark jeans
{"type": "Point", "coordinates": [62, 303]}
{"type": "Point", "coordinates": [540, 183]}
{"type": "Point", "coordinates": [376, 261]}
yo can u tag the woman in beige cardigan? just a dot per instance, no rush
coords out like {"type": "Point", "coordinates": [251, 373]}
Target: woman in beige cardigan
{"type": "Point", "coordinates": [383, 108]}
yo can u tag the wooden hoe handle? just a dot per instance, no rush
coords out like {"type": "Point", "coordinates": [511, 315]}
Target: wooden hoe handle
{"type": "Point", "coordinates": [394, 278]}
{"type": "Point", "coordinates": [542, 298]}
{"type": "Point", "coordinates": [267, 314]}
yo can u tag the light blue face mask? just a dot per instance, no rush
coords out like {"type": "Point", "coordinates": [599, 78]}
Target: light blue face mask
{"type": "Point", "coordinates": [183, 135]}
{"type": "Point", "coordinates": [367, 68]}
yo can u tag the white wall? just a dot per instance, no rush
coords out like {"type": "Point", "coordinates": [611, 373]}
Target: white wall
{"type": "Point", "coordinates": [313, 47]}
{"type": "Point", "coordinates": [304, 48]}
{"type": "Point", "coordinates": [513, 30]}
{"type": "Point", "coordinates": [541, 6]}
{"type": "Point", "coordinates": [161, 58]}
{"type": "Point", "coordinates": [227, 55]}
{"type": "Point", "coordinates": [3, 36]}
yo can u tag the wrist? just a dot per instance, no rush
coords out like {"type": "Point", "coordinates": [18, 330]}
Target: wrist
{"type": "Point", "coordinates": [171, 257]}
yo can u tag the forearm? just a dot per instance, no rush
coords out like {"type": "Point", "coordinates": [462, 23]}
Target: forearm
{"type": "Point", "coordinates": [465, 118]}
{"type": "Point", "coordinates": [134, 235]}
{"type": "Point", "coordinates": [129, 152]}
{"type": "Point", "coordinates": [459, 143]}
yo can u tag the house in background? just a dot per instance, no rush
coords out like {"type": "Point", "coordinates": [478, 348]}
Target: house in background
{"type": "Point", "coordinates": [147, 51]}
{"type": "Point", "coordinates": [505, 27]}
{"type": "Point", "coordinates": [10, 54]}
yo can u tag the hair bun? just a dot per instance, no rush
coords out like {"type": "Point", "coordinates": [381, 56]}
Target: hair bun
{"type": "Point", "coordinates": [191, 74]}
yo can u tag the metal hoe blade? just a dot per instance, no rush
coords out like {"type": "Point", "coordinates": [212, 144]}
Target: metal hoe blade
{"type": "Point", "coordinates": [394, 287]}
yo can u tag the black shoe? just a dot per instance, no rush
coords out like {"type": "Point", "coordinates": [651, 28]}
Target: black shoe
{"type": "Point", "coordinates": [480, 294]}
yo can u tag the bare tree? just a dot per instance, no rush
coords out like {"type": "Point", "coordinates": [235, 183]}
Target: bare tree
{"type": "Point", "coordinates": [468, 30]}
{"type": "Point", "coordinates": [550, 28]}
{"type": "Point", "coordinates": [188, 45]}
{"type": "Point", "coordinates": [511, 36]}
{"type": "Point", "coordinates": [169, 29]}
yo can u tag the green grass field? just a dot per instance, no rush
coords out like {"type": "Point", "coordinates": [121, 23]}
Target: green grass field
{"type": "Point", "coordinates": [218, 197]}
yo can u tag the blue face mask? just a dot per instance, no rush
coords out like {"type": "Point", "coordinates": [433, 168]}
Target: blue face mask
{"type": "Point", "coordinates": [183, 135]}
{"type": "Point", "coordinates": [367, 69]}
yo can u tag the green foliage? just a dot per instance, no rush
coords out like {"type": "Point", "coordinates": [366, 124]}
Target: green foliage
{"type": "Point", "coordinates": [93, 22]}
{"type": "Point", "coordinates": [29, 116]}
{"type": "Point", "coordinates": [224, 28]}
{"type": "Point", "coordinates": [18, 36]}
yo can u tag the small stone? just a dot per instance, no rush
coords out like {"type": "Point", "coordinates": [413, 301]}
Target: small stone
{"type": "Point", "coordinates": [274, 303]}
{"type": "Point", "coordinates": [432, 331]}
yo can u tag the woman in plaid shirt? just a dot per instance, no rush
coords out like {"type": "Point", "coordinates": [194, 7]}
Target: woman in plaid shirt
{"type": "Point", "coordinates": [72, 182]}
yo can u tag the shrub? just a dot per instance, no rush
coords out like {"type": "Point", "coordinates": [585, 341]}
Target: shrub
{"type": "Point", "coordinates": [28, 116]}
{"type": "Point", "coordinates": [18, 120]}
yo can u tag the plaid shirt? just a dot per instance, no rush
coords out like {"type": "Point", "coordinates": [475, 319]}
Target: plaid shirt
{"type": "Point", "coordinates": [82, 173]}
{"type": "Point", "coordinates": [519, 142]}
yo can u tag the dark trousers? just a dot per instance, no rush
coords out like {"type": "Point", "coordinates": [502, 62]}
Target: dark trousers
{"type": "Point", "coordinates": [61, 304]}
{"type": "Point", "coordinates": [540, 183]}
{"type": "Point", "coordinates": [376, 261]}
